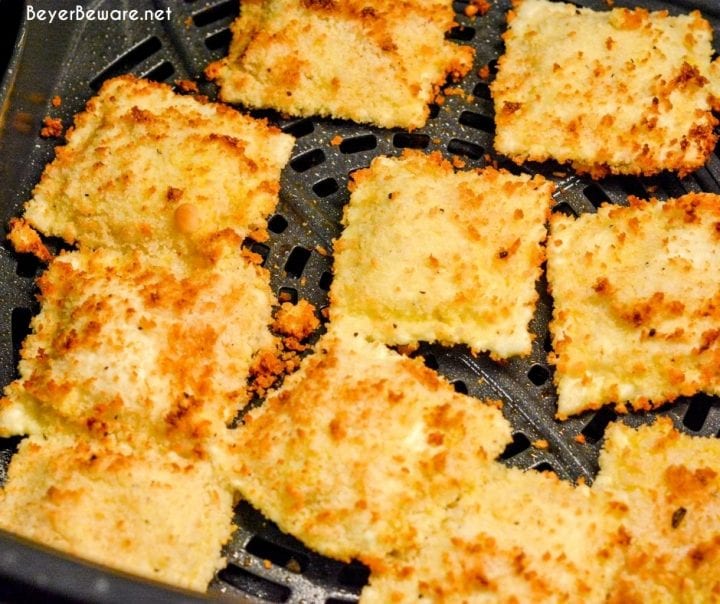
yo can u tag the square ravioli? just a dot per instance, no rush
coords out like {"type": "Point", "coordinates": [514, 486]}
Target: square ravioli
{"type": "Point", "coordinates": [513, 537]}
{"type": "Point", "coordinates": [150, 513]}
{"type": "Point", "coordinates": [431, 254]}
{"type": "Point", "coordinates": [620, 91]}
{"type": "Point", "coordinates": [637, 297]}
{"type": "Point", "coordinates": [665, 486]}
{"type": "Point", "coordinates": [373, 61]}
{"type": "Point", "coordinates": [144, 167]}
{"type": "Point", "coordinates": [362, 448]}
{"type": "Point", "coordinates": [130, 345]}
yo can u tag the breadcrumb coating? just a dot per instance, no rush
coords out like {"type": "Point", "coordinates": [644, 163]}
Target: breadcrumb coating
{"type": "Point", "coordinates": [636, 314]}
{"type": "Point", "coordinates": [145, 511]}
{"type": "Point", "coordinates": [665, 487]}
{"type": "Point", "coordinates": [621, 91]}
{"type": "Point", "coordinates": [146, 168]}
{"type": "Point", "coordinates": [516, 536]}
{"type": "Point", "coordinates": [131, 345]}
{"type": "Point", "coordinates": [433, 254]}
{"type": "Point", "coordinates": [295, 56]}
{"type": "Point", "coordinates": [361, 447]}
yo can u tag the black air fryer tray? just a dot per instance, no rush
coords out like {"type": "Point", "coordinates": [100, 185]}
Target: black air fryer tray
{"type": "Point", "coordinates": [72, 59]}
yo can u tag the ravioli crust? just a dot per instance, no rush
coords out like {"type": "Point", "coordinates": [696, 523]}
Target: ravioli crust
{"type": "Point", "coordinates": [130, 345]}
{"type": "Point", "coordinates": [620, 91]}
{"type": "Point", "coordinates": [666, 485]}
{"type": "Point", "coordinates": [514, 537]}
{"type": "Point", "coordinates": [146, 168]}
{"type": "Point", "coordinates": [430, 254]}
{"type": "Point", "coordinates": [362, 448]}
{"type": "Point", "coordinates": [148, 512]}
{"type": "Point", "coordinates": [636, 319]}
{"type": "Point", "coordinates": [373, 61]}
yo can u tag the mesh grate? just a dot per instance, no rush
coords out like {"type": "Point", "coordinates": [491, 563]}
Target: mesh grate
{"type": "Point", "coordinates": [72, 60]}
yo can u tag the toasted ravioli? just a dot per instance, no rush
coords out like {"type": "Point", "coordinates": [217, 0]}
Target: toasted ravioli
{"type": "Point", "coordinates": [515, 537]}
{"type": "Point", "coordinates": [362, 448]}
{"type": "Point", "coordinates": [372, 61]}
{"type": "Point", "coordinates": [129, 345]}
{"type": "Point", "coordinates": [621, 91]}
{"type": "Point", "coordinates": [636, 317]}
{"type": "Point", "coordinates": [146, 168]}
{"type": "Point", "coordinates": [430, 254]}
{"type": "Point", "coordinates": [666, 485]}
{"type": "Point", "coordinates": [150, 513]}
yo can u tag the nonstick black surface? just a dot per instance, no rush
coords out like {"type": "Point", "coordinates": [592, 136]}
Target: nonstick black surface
{"type": "Point", "coordinates": [72, 59]}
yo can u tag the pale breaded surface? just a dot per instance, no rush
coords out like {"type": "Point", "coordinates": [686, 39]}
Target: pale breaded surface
{"type": "Point", "coordinates": [636, 303]}
{"type": "Point", "coordinates": [515, 537]}
{"type": "Point", "coordinates": [372, 61]}
{"type": "Point", "coordinates": [430, 254]}
{"type": "Point", "coordinates": [362, 448]}
{"type": "Point", "coordinates": [136, 346]}
{"type": "Point", "coordinates": [666, 487]}
{"type": "Point", "coordinates": [144, 167]}
{"type": "Point", "coordinates": [621, 91]}
{"type": "Point", "coordinates": [147, 512]}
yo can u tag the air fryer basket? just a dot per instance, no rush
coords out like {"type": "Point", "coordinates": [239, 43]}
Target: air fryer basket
{"type": "Point", "coordinates": [71, 59]}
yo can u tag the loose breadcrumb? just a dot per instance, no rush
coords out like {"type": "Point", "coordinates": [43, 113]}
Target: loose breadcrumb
{"type": "Point", "coordinates": [294, 323]}
{"type": "Point", "coordinates": [622, 91]}
{"type": "Point", "coordinates": [375, 61]}
{"type": "Point", "coordinates": [296, 320]}
{"type": "Point", "coordinates": [187, 86]}
{"type": "Point", "coordinates": [430, 254]}
{"type": "Point", "coordinates": [26, 240]}
{"type": "Point", "coordinates": [636, 314]}
{"type": "Point", "coordinates": [52, 127]}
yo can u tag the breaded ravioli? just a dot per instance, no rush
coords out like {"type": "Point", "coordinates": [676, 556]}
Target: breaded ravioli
{"type": "Point", "coordinates": [636, 293]}
{"type": "Point", "coordinates": [374, 61]}
{"type": "Point", "coordinates": [146, 168]}
{"type": "Point", "coordinates": [148, 512]}
{"type": "Point", "coordinates": [620, 91]}
{"type": "Point", "coordinates": [362, 448]}
{"type": "Point", "coordinates": [666, 487]}
{"type": "Point", "coordinates": [514, 537]}
{"type": "Point", "coordinates": [431, 254]}
{"type": "Point", "coordinates": [131, 345]}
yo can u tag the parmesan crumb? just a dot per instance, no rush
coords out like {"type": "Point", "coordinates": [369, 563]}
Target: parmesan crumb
{"type": "Point", "coordinates": [52, 127]}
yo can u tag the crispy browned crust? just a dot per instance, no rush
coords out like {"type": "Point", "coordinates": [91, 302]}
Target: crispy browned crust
{"type": "Point", "coordinates": [145, 511]}
{"type": "Point", "coordinates": [636, 312]}
{"type": "Point", "coordinates": [361, 445]}
{"type": "Point", "coordinates": [373, 61]}
{"type": "Point", "coordinates": [140, 347]}
{"type": "Point", "coordinates": [428, 254]}
{"type": "Point", "coordinates": [146, 168]}
{"type": "Point", "coordinates": [665, 487]}
{"type": "Point", "coordinates": [621, 91]}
